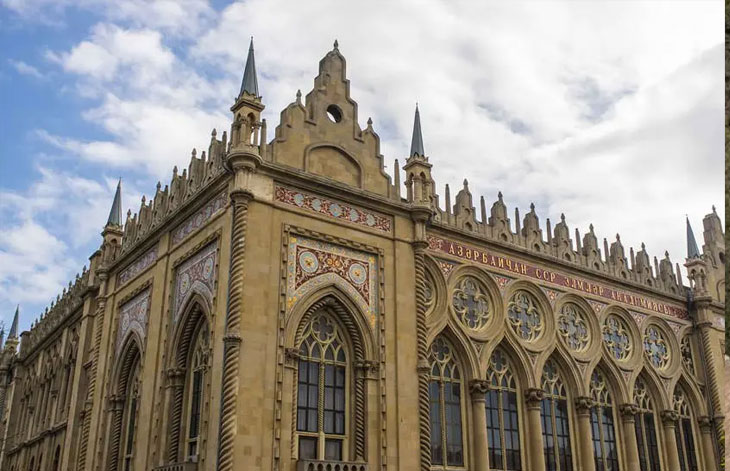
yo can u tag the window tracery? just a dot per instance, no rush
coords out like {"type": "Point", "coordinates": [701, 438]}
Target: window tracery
{"type": "Point", "coordinates": [617, 337]}
{"type": "Point", "coordinates": [503, 429]}
{"type": "Point", "coordinates": [554, 419]}
{"type": "Point", "coordinates": [322, 391]}
{"type": "Point", "coordinates": [656, 348]}
{"type": "Point", "coordinates": [130, 413]}
{"type": "Point", "coordinates": [471, 304]}
{"type": "Point", "coordinates": [645, 426]}
{"type": "Point", "coordinates": [573, 327]}
{"type": "Point", "coordinates": [447, 448]}
{"type": "Point", "coordinates": [524, 317]}
{"type": "Point", "coordinates": [196, 381]}
{"type": "Point", "coordinates": [603, 432]}
{"type": "Point", "coordinates": [684, 433]}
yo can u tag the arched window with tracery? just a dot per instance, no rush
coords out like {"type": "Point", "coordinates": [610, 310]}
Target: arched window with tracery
{"type": "Point", "coordinates": [603, 431]}
{"type": "Point", "coordinates": [684, 433]}
{"type": "Point", "coordinates": [131, 402]}
{"type": "Point", "coordinates": [445, 387]}
{"type": "Point", "coordinates": [322, 390]}
{"type": "Point", "coordinates": [503, 426]}
{"type": "Point", "coordinates": [645, 423]}
{"type": "Point", "coordinates": [195, 383]}
{"type": "Point", "coordinates": [555, 421]}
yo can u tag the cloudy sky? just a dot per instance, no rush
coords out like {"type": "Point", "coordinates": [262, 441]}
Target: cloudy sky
{"type": "Point", "coordinates": [610, 112]}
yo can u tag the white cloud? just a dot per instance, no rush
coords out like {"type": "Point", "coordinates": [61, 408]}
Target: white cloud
{"type": "Point", "coordinates": [25, 69]}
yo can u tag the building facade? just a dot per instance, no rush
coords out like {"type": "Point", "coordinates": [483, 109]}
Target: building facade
{"type": "Point", "coordinates": [281, 305]}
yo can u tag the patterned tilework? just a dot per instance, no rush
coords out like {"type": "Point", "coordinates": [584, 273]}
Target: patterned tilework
{"type": "Point", "coordinates": [502, 282]}
{"type": "Point", "coordinates": [597, 307]}
{"type": "Point", "coordinates": [137, 266]}
{"type": "Point", "coordinates": [446, 267]}
{"type": "Point", "coordinates": [198, 219]}
{"type": "Point", "coordinates": [552, 295]}
{"type": "Point", "coordinates": [196, 274]}
{"type": "Point", "coordinates": [312, 264]}
{"type": "Point", "coordinates": [133, 317]}
{"type": "Point", "coordinates": [638, 317]}
{"type": "Point", "coordinates": [333, 209]}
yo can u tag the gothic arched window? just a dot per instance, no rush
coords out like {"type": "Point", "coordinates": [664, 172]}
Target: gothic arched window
{"type": "Point", "coordinates": [322, 391]}
{"type": "Point", "coordinates": [195, 384]}
{"type": "Point", "coordinates": [503, 429]}
{"type": "Point", "coordinates": [444, 391]}
{"type": "Point", "coordinates": [645, 423]}
{"type": "Point", "coordinates": [603, 432]}
{"type": "Point", "coordinates": [555, 422]}
{"type": "Point", "coordinates": [131, 401]}
{"type": "Point", "coordinates": [683, 433]}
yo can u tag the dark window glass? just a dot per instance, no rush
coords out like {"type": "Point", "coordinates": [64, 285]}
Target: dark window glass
{"type": "Point", "coordinates": [130, 427]}
{"type": "Point", "coordinates": [680, 448]}
{"type": "Point", "coordinates": [605, 450]}
{"type": "Point", "coordinates": [641, 443]}
{"type": "Point", "coordinates": [333, 450]}
{"type": "Point", "coordinates": [511, 432]}
{"type": "Point", "coordinates": [334, 399]}
{"type": "Point", "coordinates": [689, 443]}
{"type": "Point", "coordinates": [452, 400]}
{"type": "Point", "coordinates": [436, 443]}
{"type": "Point", "coordinates": [610, 438]}
{"type": "Point", "coordinates": [195, 404]}
{"type": "Point", "coordinates": [308, 396]}
{"type": "Point", "coordinates": [652, 441]}
{"type": "Point", "coordinates": [494, 435]}
{"type": "Point", "coordinates": [307, 448]}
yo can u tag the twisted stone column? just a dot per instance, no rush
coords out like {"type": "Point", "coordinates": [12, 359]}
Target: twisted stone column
{"type": "Point", "coordinates": [708, 448]}
{"type": "Point", "coordinates": [533, 399]}
{"type": "Point", "coordinates": [424, 407]}
{"type": "Point", "coordinates": [714, 386]}
{"type": "Point", "coordinates": [362, 370]}
{"type": "Point", "coordinates": [175, 378]}
{"type": "Point", "coordinates": [116, 409]}
{"type": "Point", "coordinates": [628, 422]}
{"type": "Point", "coordinates": [669, 421]}
{"type": "Point", "coordinates": [232, 338]}
{"type": "Point", "coordinates": [478, 388]}
{"type": "Point", "coordinates": [585, 445]}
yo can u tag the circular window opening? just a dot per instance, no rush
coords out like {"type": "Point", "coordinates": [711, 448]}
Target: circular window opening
{"type": "Point", "coordinates": [334, 114]}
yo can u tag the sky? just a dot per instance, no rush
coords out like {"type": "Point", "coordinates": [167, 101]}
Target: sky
{"type": "Point", "coordinates": [608, 112]}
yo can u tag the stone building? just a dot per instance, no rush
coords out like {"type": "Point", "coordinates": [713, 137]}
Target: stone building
{"type": "Point", "coordinates": [281, 305]}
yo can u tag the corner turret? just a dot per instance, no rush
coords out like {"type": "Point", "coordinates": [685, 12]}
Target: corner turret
{"type": "Point", "coordinates": [419, 184]}
{"type": "Point", "coordinates": [247, 124]}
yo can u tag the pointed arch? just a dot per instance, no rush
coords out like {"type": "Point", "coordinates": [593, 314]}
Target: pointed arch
{"type": "Point", "coordinates": [568, 370]}
{"type": "Point", "coordinates": [519, 359]}
{"type": "Point", "coordinates": [603, 421]}
{"type": "Point", "coordinates": [685, 429]}
{"type": "Point", "coordinates": [125, 403]}
{"type": "Point", "coordinates": [465, 352]}
{"type": "Point", "coordinates": [618, 384]}
{"type": "Point", "coordinates": [660, 396]}
{"type": "Point", "coordinates": [646, 398]}
{"type": "Point", "coordinates": [555, 416]}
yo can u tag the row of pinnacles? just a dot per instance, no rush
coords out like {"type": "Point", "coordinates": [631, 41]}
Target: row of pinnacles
{"type": "Point", "coordinates": [248, 132]}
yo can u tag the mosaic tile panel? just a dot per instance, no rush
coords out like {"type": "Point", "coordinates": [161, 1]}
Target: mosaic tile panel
{"type": "Point", "coordinates": [196, 274]}
{"type": "Point", "coordinates": [332, 209]}
{"type": "Point", "coordinates": [138, 266]}
{"type": "Point", "coordinates": [446, 267]}
{"type": "Point", "coordinates": [597, 307]}
{"type": "Point", "coordinates": [502, 282]}
{"type": "Point", "coordinates": [199, 219]}
{"type": "Point", "coordinates": [312, 264]}
{"type": "Point", "coordinates": [133, 317]}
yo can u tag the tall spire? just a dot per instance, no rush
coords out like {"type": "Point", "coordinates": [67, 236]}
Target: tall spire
{"type": "Point", "coordinates": [692, 250]}
{"type": "Point", "coordinates": [417, 140]}
{"type": "Point", "coordinates": [250, 84]}
{"type": "Point", "coordinates": [13, 334]}
{"type": "Point", "coordinates": [115, 214]}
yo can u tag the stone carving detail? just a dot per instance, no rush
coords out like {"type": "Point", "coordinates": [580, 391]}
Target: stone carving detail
{"type": "Point", "coordinates": [199, 219]}
{"type": "Point", "coordinates": [573, 327]}
{"type": "Point", "coordinates": [446, 267]}
{"type": "Point", "coordinates": [195, 274]}
{"type": "Point", "coordinates": [502, 282]}
{"type": "Point", "coordinates": [312, 264]}
{"type": "Point", "coordinates": [597, 307]}
{"type": "Point", "coordinates": [617, 338]}
{"type": "Point", "coordinates": [133, 317]}
{"type": "Point", "coordinates": [471, 304]}
{"type": "Point", "coordinates": [429, 288]}
{"type": "Point", "coordinates": [656, 348]}
{"type": "Point", "coordinates": [333, 209]}
{"type": "Point", "coordinates": [687, 357]}
{"type": "Point", "coordinates": [524, 317]}
{"type": "Point", "coordinates": [138, 266]}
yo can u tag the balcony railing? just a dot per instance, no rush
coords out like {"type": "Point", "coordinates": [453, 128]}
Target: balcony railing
{"type": "Point", "coordinates": [324, 465]}
{"type": "Point", "coordinates": [187, 466]}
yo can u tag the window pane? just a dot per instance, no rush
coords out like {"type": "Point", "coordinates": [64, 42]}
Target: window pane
{"type": "Point", "coordinates": [651, 440]}
{"type": "Point", "coordinates": [436, 443]}
{"type": "Point", "coordinates": [455, 454]}
{"type": "Point", "coordinates": [493, 431]}
{"type": "Point", "coordinates": [680, 448]}
{"type": "Point", "coordinates": [307, 396]}
{"type": "Point", "coordinates": [689, 443]}
{"type": "Point", "coordinates": [640, 442]}
{"type": "Point", "coordinates": [307, 448]}
{"type": "Point", "coordinates": [333, 450]}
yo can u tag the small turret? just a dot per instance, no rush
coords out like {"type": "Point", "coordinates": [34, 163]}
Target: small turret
{"type": "Point", "coordinates": [115, 213]}
{"type": "Point", "coordinates": [247, 108]}
{"type": "Point", "coordinates": [12, 341]}
{"type": "Point", "coordinates": [692, 250]}
{"type": "Point", "coordinates": [419, 183]}
{"type": "Point", "coordinates": [696, 265]}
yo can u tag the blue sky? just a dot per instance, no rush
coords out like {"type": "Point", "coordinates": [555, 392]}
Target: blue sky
{"type": "Point", "coordinates": [610, 112]}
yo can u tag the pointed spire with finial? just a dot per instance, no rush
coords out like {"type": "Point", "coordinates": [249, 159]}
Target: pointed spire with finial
{"type": "Point", "coordinates": [115, 214]}
{"type": "Point", "coordinates": [417, 139]}
{"type": "Point", "coordinates": [250, 83]}
{"type": "Point", "coordinates": [692, 250]}
{"type": "Point", "coordinates": [13, 334]}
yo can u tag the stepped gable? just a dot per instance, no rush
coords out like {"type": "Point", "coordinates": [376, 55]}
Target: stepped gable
{"type": "Point", "coordinates": [321, 135]}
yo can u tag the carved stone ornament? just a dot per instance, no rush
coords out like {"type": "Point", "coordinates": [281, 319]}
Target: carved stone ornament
{"type": "Point", "coordinates": [478, 387]}
{"type": "Point", "coordinates": [533, 397]}
{"type": "Point", "coordinates": [669, 417]}
{"type": "Point", "coordinates": [583, 404]}
{"type": "Point", "coordinates": [628, 410]}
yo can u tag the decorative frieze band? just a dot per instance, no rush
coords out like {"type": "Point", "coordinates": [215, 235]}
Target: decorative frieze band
{"type": "Point", "coordinates": [197, 220]}
{"type": "Point", "coordinates": [138, 266]}
{"type": "Point", "coordinates": [332, 209]}
{"type": "Point", "coordinates": [551, 276]}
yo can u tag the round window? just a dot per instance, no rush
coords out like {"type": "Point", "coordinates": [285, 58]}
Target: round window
{"type": "Point", "coordinates": [334, 113]}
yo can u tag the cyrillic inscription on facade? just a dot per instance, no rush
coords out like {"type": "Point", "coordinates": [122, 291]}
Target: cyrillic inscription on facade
{"type": "Point", "coordinates": [519, 267]}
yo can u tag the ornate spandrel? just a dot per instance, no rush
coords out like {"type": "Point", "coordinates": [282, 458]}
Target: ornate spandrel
{"type": "Point", "coordinates": [656, 348]}
{"type": "Point", "coordinates": [524, 317]}
{"type": "Point", "coordinates": [471, 304]}
{"type": "Point", "coordinates": [573, 327]}
{"type": "Point", "coordinates": [687, 357]}
{"type": "Point", "coordinates": [617, 338]}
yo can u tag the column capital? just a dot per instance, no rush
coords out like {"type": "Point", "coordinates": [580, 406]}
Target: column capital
{"type": "Point", "coordinates": [669, 417]}
{"type": "Point", "coordinates": [705, 423]}
{"type": "Point", "coordinates": [533, 397]}
{"type": "Point", "coordinates": [583, 404]}
{"type": "Point", "coordinates": [478, 388]}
